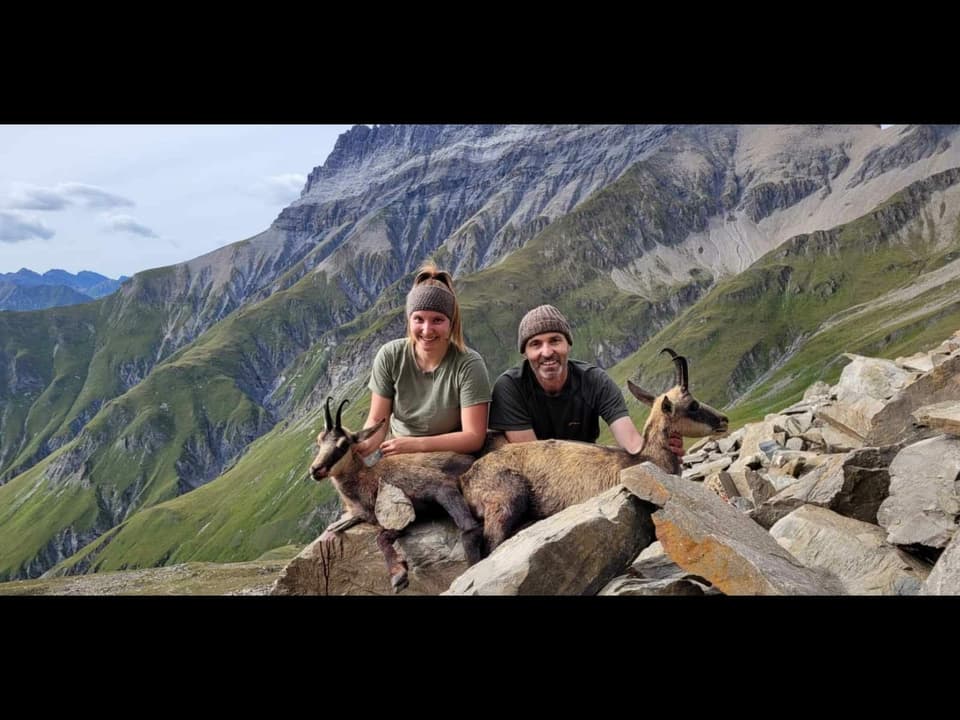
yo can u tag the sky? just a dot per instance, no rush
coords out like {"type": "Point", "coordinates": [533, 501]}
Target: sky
{"type": "Point", "coordinates": [118, 199]}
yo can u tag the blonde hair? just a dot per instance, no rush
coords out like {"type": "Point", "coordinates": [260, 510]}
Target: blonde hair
{"type": "Point", "coordinates": [430, 275]}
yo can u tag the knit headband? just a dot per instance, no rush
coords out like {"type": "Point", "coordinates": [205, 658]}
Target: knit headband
{"type": "Point", "coordinates": [431, 297]}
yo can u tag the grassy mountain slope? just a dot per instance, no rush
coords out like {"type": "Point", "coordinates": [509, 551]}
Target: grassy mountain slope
{"type": "Point", "coordinates": [179, 428]}
{"type": "Point", "coordinates": [43, 360]}
{"type": "Point", "coordinates": [758, 340]}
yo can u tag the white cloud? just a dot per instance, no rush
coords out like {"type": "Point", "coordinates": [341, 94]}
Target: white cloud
{"type": "Point", "coordinates": [280, 189]}
{"type": "Point", "coordinates": [95, 197]}
{"type": "Point", "coordinates": [189, 182]}
{"type": "Point", "coordinates": [125, 223]}
{"type": "Point", "coordinates": [25, 196]}
{"type": "Point", "coordinates": [17, 227]}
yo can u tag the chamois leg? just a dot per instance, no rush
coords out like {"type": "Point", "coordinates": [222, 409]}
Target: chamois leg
{"type": "Point", "coordinates": [503, 508]}
{"type": "Point", "coordinates": [348, 521]}
{"type": "Point", "coordinates": [395, 566]}
{"type": "Point", "coordinates": [471, 533]}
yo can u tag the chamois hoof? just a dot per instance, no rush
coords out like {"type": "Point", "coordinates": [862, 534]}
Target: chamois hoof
{"type": "Point", "coordinates": [399, 581]}
{"type": "Point", "coordinates": [328, 536]}
{"type": "Point", "coordinates": [473, 545]}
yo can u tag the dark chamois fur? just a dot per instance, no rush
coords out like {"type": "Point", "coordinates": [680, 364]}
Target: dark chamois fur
{"type": "Point", "coordinates": [427, 479]}
{"type": "Point", "coordinates": [533, 480]}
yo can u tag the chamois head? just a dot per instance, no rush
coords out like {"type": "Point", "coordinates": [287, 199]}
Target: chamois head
{"type": "Point", "coordinates": [334, 443]}
{"type": "Point", "coordinates": [685, 415]}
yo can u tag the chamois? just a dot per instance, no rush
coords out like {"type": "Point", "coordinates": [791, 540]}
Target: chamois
{"type": "Point", "coordinates": [426, 479]}
{"type": "Point", "coordinates": [533, 480]}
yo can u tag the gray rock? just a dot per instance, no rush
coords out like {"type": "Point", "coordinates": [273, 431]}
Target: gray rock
{"type": "Point", "coordinates": [798, 424]}
{"type": "Point", "coordinates": [852, 484]}
{"type": "Point", "coordinates": [855, 552]}
{"type": "Point", "coordinates": [919, 362]}
{"type": "Point", "coordinates": [731, 442]}
{"type": "Point", "coordinates": [944, 579]}
{"type": "Point", "coordinates": [352, 564]}
{"type": "Point", "coordinates": [393, 509]}
{"type": "Point", "coordinates": [709, 538]}
{"type": "Point", "coordinates": [838, 440]}
{"type": "Point", "coordinates": [694, 458]}
{"type": "Point", "coordinates": [942, 417]}
{"type": "Point", "coordinates": [701, 471]}
{"type": "Point", "coordinates": [924, 498]}
{"type": "Point", "coordinates": [575, 552]}
{"type": "Point", "coordinates": [632, 586]}
{"type": "Point", "coordinates": [894, 423]}
{"type": "Point", "coordinates": [752, 485]}
{"type": "Point", "coordinates": [818, 390]}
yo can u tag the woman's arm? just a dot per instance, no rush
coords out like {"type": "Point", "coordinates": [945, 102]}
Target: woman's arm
{"type": "Point", "coordinates": [380, 407]}
{"type": "Point", "coordinates": [473, 420]}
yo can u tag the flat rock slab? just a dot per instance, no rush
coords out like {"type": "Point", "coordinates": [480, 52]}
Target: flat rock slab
{"type": "Point", "coordinates": [708, 537]}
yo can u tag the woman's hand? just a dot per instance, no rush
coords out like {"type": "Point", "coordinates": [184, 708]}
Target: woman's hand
{"type": "Point", "coordinates": [367, 446]}
{"type": "Point", "coordinates": [398, 445]}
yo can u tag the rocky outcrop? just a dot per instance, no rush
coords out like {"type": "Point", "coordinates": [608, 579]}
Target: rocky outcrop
{"type": "Point", "coordinates": [916, 142]}
{"type": "Point", "coordinates": [924, 501]}
{"type": "Point", "coordinates": [352, 564]}
{"type": "Point", "coordinates": [575, 552]}
{"type": "Point", "coordinates": [855, 552]}
{"type": "Point", "coordinates": [708, 537]}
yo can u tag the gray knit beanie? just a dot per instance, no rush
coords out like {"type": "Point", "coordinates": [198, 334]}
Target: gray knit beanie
{"type": "Point", "coordinates": [545, 318]}
{"type": "Point", "coordinates": [431, 297]}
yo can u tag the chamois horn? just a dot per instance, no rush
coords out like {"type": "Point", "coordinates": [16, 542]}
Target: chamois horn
{"type": "Point", "coordinates": [681, 362]}
{"type": "Point", "coordinates": [329, 420]}
{"type": "Point", "coordinates": [340, 410]}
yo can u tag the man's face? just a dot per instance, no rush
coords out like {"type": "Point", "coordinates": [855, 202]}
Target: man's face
{"type": "Point", "coordinates": [547, 354]}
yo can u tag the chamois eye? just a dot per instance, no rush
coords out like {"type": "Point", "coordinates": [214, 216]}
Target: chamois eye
{"type": "Point", "coordinates": [694, 406]}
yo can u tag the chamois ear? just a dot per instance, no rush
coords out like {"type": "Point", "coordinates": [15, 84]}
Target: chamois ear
{"type": "Point", "coordinates": [666, 406]}
{"type": "Point", "coordinates": [641, 394]}
{"type": "Point", "coordinates": [367, 432]}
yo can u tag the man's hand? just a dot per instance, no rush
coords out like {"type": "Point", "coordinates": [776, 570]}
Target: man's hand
{"type": "Point", "coordinates": [675, 445]}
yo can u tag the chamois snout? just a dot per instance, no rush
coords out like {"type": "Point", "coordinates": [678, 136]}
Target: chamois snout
{"type": "Point", "coordinates": [319, 472]}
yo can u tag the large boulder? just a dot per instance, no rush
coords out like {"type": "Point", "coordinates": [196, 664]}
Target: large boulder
{"type": "Point", "coordinates": [707, 537]}
{"type": "Point", "coordinates": [575, 552]}
{"type": "Point", "coordinates": [856, 552]}
{"type": "Point", "coordinates": [352, 564]}
{"type": "Point", "coordinates": [924, 498]}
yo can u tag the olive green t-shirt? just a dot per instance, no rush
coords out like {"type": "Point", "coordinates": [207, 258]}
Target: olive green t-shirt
{"type": "Point", "coordinates": [428, 403]}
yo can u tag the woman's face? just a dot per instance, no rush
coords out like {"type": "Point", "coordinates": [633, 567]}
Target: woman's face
{"type": "Point", "coordinates": [430, 329]}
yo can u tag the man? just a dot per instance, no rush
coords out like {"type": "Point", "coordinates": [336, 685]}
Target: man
{"type": "Point", "coordinates": [551, 396]}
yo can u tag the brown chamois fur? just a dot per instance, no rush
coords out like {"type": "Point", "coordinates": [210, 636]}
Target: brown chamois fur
{"type": "Point", "coordinates": [426, 479]}
{"type": "Point", "coordinates": [533, 480]}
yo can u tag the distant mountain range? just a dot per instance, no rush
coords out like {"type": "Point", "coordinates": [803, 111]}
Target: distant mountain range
{"type": "Point", "coordinates": [28, 290]}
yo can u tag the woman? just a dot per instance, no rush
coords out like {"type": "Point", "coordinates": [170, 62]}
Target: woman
{"type": "Point", "coordinates": [434, 389]}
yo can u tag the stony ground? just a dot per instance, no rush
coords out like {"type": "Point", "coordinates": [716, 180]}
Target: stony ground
{"type": "Point", "coordinates": [196, 578]}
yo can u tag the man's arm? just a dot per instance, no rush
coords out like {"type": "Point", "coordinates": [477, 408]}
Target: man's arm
{"type": "Point", "coordinates": [626, 435]}
{"type": "Point", "coordinates": [630, 440]}
{"type": "Point", "coordinates": [509, 413]}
